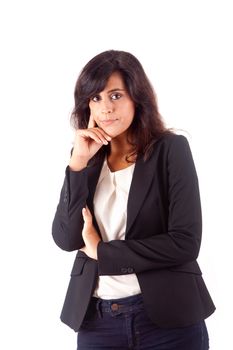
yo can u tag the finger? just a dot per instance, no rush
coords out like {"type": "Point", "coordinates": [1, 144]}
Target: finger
{"type": "Point", "coordinates": [103, 133]}
{"type": "Point", "coordinates": [91, 123]}
{"type": "Point", "coordinates": [88, 211]}
{"type": "Point", "coordinates": [87, 215]}
{"type": "Point", "coordinates": [91, 133]}
{"type": "Point", "coordinates": [95, 134]}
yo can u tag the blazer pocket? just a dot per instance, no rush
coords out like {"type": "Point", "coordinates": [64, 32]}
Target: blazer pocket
{"type": "Point", "coordinates": [190, 267]}
{"type": "Point", "coordinates": [78, 266]}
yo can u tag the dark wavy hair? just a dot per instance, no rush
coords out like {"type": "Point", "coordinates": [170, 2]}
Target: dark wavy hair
{"type": "Point", "coordinates": [147, 126]}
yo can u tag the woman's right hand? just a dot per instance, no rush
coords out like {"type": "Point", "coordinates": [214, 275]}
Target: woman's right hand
{"type": "Point", "coordinates": [87, 143]}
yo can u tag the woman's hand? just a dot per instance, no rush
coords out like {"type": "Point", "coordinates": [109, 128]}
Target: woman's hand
{"type": "Point", "coordinates": [90, 235]}
{"type": "Point", "coordinates": [87, 143]}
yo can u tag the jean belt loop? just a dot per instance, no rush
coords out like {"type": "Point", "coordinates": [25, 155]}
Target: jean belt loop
{"type": "Point", "coordinates": [98, 308]}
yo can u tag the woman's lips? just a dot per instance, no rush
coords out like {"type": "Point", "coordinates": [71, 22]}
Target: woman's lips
{"type": "Point", "coordinates": [108, 121]}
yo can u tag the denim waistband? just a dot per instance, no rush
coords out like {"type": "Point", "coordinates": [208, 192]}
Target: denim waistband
{"type": "Point", "coordinates": [118, 306]}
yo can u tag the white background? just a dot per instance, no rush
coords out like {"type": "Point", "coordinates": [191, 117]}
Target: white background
{"type": "Point", "coordinates": [186, 50]}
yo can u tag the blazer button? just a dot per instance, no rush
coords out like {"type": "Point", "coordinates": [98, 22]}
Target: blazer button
{"type": "Point", "coordinates": [130, 270]}
{"type": "Point", "coordinates": [124, 270]}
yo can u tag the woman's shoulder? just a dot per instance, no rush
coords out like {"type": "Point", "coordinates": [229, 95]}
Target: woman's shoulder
{"type": "Point", "coordinates": [174, 147]}
{"type": "Point", "coordinates": [172, 140]}
{"type": "Point", "coordinates": [171, 146]}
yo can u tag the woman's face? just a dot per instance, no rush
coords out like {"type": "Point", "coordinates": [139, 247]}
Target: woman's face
{"type": "Point", "coordinates": [113, 109]}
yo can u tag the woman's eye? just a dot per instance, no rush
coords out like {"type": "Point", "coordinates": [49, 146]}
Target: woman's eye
{"type": "Point", "coordinates": [115, 96]}
{"type": "Point", "coordinates": [95, 98]}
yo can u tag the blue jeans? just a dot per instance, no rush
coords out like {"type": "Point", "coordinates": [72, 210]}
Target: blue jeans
{"type": "Point", "coordinates": [123, 324]}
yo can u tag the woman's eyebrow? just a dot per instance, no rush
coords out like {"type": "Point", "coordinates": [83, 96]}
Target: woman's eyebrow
{"type": "Point", "coordinates": [117, 89]}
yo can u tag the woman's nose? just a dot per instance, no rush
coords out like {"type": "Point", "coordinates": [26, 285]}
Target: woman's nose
{"type": "Point", "coordinates": [106, 107]}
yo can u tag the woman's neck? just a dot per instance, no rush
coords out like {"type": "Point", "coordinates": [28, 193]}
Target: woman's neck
{"type": "Point", "coordinates": [119, 156]}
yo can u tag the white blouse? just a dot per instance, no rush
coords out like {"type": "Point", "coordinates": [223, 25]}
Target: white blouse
{"type": "Point", "coordinates": [110, 208]}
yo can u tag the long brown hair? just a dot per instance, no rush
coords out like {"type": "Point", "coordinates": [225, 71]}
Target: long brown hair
{"type": "Point", "coordinates": [147, 126]}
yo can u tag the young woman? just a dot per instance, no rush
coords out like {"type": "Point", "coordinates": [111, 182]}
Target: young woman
{"type": "Point", "coordinates": [130, 205]}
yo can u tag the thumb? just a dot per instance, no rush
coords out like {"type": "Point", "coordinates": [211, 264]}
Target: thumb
{"type": "Point", "coordinates": [87, 216]}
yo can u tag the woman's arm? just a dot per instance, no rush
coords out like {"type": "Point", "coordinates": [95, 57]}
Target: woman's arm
{"type": "Point", "coordinates": [181, 243]}
{"type": "Point", "coordinates": [68, 221]}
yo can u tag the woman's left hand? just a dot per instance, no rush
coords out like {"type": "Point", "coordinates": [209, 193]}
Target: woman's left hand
{"type": "Point", "coordinates": [90, 235]}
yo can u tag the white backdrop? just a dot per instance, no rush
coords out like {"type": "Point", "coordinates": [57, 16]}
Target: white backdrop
{"type": "Point", "coordinates": [186, 50]}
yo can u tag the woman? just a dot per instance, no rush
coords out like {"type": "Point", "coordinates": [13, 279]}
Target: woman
{"type": "Point", "coordinates": [130, 205]}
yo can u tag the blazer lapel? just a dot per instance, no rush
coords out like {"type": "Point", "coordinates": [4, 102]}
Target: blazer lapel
{"type": "Point", "coordinates": [141, 181]}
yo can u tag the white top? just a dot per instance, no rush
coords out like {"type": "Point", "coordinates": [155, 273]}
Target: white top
{"type": "Point", "coordinates": [110, 207]}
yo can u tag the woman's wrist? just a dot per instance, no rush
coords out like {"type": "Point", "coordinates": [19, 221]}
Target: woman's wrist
{"type": "Point", "coordinates": [78, 163]}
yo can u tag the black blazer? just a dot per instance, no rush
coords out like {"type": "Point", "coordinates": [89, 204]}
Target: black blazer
{"type": "Point", "coordinates": [162, 241]}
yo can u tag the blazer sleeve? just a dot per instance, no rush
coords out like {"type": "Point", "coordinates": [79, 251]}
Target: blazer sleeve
{"type": "Point", "coordinates": [181, 243]}
{"type": "Point", "coordinates": [68, 221]}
